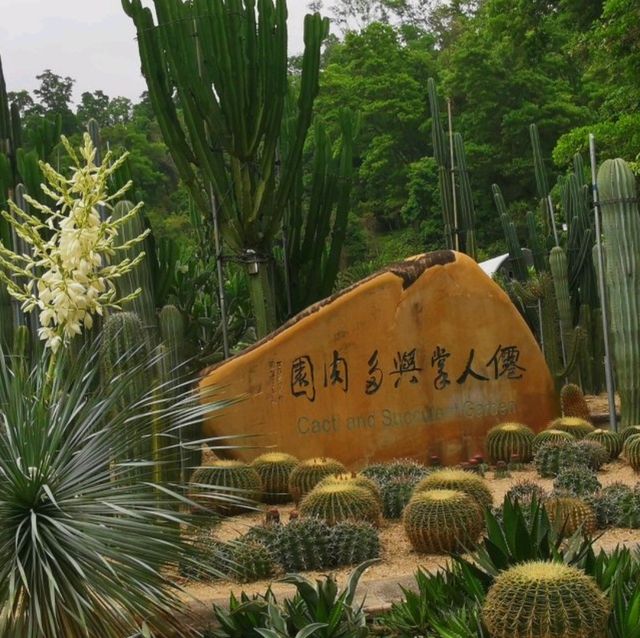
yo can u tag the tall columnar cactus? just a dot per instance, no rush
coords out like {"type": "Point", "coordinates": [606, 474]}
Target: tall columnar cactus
{"type": "Point", "coordinates": [621, 230]}
{"type": "Point", "coordinates": [513, 243]}
{"type": "Point", "coordinates": [123, 348]}
{"type": "Point", "coordinates": [467, 220]}
{"type": "Point", "coordinates": [443, 161]}
{"type": "Point", "coordinates": [506, 439]}
{"type": "Point", "coordinates": [139, 278]}
{"type": "Point", "coordinates": [560, 274]}
{"type": "Point", "coordinates": [441, 521]}
{"type": "Point", "coordinates": [545, 600]}
{"type": "Point", "coordinates": [542, 183]}
{"type": "Point", "coordinates": [227, 66]}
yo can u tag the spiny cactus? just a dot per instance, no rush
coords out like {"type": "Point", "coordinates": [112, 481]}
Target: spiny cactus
{"type": "Point", "coordinates": [572, 402]}
{"type": "Point", "coordinates": [525, 491]}
{"type": "Point", "coordinates": [631, 452]}
{"type": "Point", "coordinates": [629, 514]}
{"type": "Point", "coordinates": [577, 481]}
{"type": "Point", "coordinates": [547, 436]}
{"type": "Point", "coordinates": [303, 544]}
{"type": "Point", "coordinates": [309, 473]}
{"type": "Point", "coordinates": [552, 457]}
{"type": "Point", "coordinates": [337, 502]}
{"type": "Point", "coordinates": [629, 431]}
{"type": "Point", "coordinates": [249, 561]}
{"type": "Point", "coordinates": [352, 478]}
{"type": "Point", "coordinates": [621, 230]}
{"type": "Point", "coordinates": [609, 505]}
{"type": "Point", "coordinates": [507, 439]}
{"type": "Point", "coordinates": [578, 428]}
{"type": "Point", "coordinates": [545, 600]}
{"type": "Point", "coordinates": [396, 493]}
{"type": "Point", "coordinates": [274, 470]}
{"type": "Point", "coordinates": [567, 514]}
{"type": "Point", "coordinates": [611, 441]}
{"type": "Point", "coordinates": [399, 468]}
{"type": "Point", "coordinates": [451, 479]}
{"type": "Point", "coordinates": [233, 486]}
{"type": "Point", "coordinates": [353, 542]}
{"type": "Point", "coordinates": [595, 453]}
{"type": "Point", "coordinates": [442, 520]}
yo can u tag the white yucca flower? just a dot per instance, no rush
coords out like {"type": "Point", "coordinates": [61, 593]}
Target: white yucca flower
{"type": "Point", "coordinates": [71, 250]}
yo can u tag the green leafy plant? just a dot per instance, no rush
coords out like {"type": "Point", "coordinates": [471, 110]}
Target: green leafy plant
{"type": "Point", "coordinates": [89, 547]}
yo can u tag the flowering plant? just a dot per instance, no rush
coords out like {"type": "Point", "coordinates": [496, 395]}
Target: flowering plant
{"type": "Point", "coordinates": [69, 271]}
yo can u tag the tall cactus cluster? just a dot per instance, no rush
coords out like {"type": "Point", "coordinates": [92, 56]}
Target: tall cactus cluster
{"type": "Point", "coordinates": [240, 135]}
{"type": "Point", "coordinates": [558, 296]}
{"type": "Point", "coordinates": [453, 181]}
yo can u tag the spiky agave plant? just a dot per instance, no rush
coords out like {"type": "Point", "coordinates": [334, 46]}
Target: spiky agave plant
{"type": "Point", "coordinates": [87, 545]}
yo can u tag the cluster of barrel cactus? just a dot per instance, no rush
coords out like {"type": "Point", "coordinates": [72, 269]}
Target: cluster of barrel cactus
{"type": "Point", "coordinates": [442, 520]}
{"type": "Point", "coordinates": [545, 600]}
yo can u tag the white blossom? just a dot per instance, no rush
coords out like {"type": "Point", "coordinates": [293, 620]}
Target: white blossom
{"type": "Point", "coordinates": [71, 251]}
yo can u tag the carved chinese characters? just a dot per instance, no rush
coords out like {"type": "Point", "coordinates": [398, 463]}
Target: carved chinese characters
{"type": "Point", "coordinates": [418, 360]}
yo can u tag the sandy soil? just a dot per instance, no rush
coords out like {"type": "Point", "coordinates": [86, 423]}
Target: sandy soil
{"type": "Point", "coordinates": [398, 559]}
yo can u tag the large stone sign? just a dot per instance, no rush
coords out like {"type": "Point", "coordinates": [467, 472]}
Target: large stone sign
{"type": "Point", "coordinates": [420, 359]}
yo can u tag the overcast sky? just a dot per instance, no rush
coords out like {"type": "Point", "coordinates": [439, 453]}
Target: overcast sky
{"type": "Point", "coordinates": [91, 41]}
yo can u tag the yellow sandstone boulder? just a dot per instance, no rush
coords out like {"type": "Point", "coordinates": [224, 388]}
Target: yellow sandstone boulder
{"type": "Point", "coordinates": [420, 359]}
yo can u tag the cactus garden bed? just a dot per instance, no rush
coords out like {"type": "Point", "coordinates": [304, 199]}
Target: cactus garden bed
{"type": "Point", "coordinates": [398, 560]}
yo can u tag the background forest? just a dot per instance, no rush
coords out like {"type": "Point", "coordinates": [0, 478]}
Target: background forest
{"type": "Point", "coordinates": [570, 66]}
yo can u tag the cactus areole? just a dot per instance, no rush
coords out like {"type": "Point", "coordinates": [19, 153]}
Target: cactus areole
{"type": "Point", "coordinates": [418, 360]}
{"type": "Point", "coordinates": [621, 230]}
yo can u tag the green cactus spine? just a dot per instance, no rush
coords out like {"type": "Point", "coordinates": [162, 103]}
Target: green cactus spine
{"type": "Point", "coordinates": [577, 427]}
{"type": "Point", "coordinates": [568, 514]}
{"type": "Point", "coordinates": [545, 600]}
{"type": "Point", "coordinates": [577, 481]}
{"type": "Point", "coordinates": [440, 521]}
{"type": "Point", "coordinates": [621, 230]}
{"type": "Point", "coordinates": [354, 542]}
{"type": "Point", "coordinates": [309, 473]}
{"type": "Point", "coordinates": [631, 451]}
{"type": "Point", "coordinates": [547, 436]}
{"type": "Point", "coordinates": [451, 479]}
{"type": "Point", "coordinates": [274, 469]}
{"type": "Point", "coordinates": [507, 439]}
{"type": "Point", "coordinates": [336, 502]}
{"type": "Point", "coordinates": [611, 441]}
{"type": "Point", "coordinates": [226, 487]}
{"type": "Point", "coordinates": [553, 456]}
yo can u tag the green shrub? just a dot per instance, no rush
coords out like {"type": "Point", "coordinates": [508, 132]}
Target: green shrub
{"type": "Point", "coordinates": [452, 479]}
{"type": "Point", "coordinates": [545, 600]}
{"type": "Point", "coordinates": [440, 521]}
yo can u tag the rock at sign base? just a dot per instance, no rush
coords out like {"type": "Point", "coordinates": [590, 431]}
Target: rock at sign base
{"type": "Point", "coordinates": [417, 360]}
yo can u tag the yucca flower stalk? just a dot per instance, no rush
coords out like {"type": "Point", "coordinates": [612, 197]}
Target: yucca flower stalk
{"type": "Point", "coordinates": [68, 272]}
{"type": "Point", "coordinates": [87, 549]}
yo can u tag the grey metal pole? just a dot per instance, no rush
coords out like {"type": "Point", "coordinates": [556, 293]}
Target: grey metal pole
{"type": "Point", "coordinates": [608, 369]}
{"type": "Point", "coordinates": [453, 178]}
{"type": "Point", "coordinates": [219, 267]}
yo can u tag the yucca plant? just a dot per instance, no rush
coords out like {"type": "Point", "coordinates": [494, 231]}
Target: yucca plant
{"type": "Point", "coordinates": [88, 548]}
